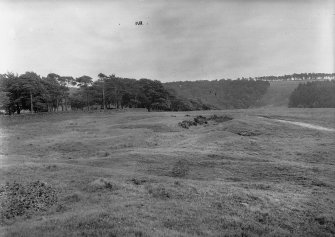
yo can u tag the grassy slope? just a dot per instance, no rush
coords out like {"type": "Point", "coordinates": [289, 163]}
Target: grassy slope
{"type": "Point", "coordinates": [278, 93]}
{"type": "Point", "coordinates": [278, 183]}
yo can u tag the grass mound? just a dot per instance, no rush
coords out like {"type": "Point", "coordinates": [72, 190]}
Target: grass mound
{"type": "Point", "coordinates": [18, 199]}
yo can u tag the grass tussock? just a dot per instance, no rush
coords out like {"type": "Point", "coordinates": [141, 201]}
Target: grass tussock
{"type": "Point", "coordinates": [159, 191]}
{"type": "Point", "coordinates": [138, 181]}
{"type": "Point", "coordinates": [103, 184]}
{"type": "Point", "coordinates": [180, 169]}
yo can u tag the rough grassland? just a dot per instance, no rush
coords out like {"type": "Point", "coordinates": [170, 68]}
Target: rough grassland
{"type": "Point", "coordinates": [139, 174]}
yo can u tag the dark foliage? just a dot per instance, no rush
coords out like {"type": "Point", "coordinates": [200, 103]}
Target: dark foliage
{"type": "Point", "coordinates": [34, 93]}
{"type": "Point", "coordinates": [222, 94]}
{"type": "Point", "coordinates": [299, 77]}
{"type": "Point", "coordinates": [31, 92]}
{"type": "Point", "coordinates": [319, 94]}
{"type": "Point", "coordinates": [20, 199]}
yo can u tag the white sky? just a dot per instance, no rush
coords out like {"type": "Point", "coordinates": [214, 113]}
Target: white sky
{"type": "Point", "coordinates": [180, 40]}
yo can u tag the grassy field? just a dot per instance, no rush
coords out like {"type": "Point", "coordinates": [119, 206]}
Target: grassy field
{"type": "Point", "coordinates": [140, 174]}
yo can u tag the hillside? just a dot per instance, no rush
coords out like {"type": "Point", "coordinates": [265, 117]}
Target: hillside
{"type": "Point", "coordinates": [277, 95]}
{"type": "Point", "coordinates": [222, 94]}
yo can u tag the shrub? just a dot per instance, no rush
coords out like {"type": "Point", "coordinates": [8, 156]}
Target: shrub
{"type": "Point", "coordinates": [19, 199]}
{"type": "Point", "coordinates": [187, 124]}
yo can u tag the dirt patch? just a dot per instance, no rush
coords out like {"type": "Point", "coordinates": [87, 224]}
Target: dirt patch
{"type": "Point", "coordinates": [306, 125]}
{"type": "Point", "coordinates": [301, 124]}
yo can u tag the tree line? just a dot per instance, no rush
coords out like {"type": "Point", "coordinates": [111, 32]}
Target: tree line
{"type": "Point", "coordinates": [316, 94]}
{"type": "Point", "coordinates": [30, 91]}
{"type": "Point", "coordinates": [299, 77]}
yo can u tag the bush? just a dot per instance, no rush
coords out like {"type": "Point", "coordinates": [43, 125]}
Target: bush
{"type": "Point", "coordinates": [187, 124]}
{"type": "Point", "coordinates": [200, 120]}
{"type": "Point", "coordinates": [19, 199]}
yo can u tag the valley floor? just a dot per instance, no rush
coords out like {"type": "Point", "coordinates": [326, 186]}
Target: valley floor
{"type": "Point", "coordinates": [140, 174]}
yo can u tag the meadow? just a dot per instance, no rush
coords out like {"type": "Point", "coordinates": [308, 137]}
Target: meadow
{"type": "Point", "coordinates": [140, 174]}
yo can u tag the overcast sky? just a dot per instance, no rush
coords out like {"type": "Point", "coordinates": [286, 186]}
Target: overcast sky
{"type": "Point", "coordinates": [179, 40]}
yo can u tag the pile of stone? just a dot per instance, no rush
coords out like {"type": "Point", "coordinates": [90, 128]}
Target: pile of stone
{"type": "Point", "coordinates": [200, 120]}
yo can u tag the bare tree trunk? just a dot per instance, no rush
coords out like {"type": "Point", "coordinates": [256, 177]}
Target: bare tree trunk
{"type": "Point", "coordinates": [103, 96]}
{"type": "Point", "coordinates": [31, 103]}
{"type": "Point", "coordinates": [18, 110]}
{"type": "Point", "coordinates": [88, 107]}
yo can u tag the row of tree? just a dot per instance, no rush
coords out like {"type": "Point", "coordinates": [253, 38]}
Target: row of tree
{"type": "Point", "coordinates": [299, 77]}
{"type": "Point", "coordinates": [316, 94]}
{"type": "Point", "coordinates": [31, 92]}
